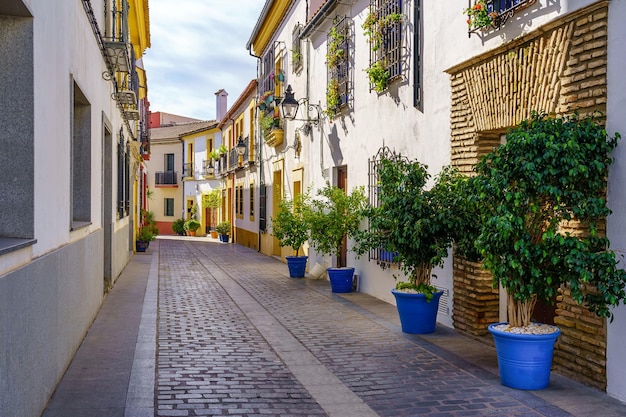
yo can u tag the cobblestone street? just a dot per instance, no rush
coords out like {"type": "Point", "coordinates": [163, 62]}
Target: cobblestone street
{"type": "Point", "coordinates": [238, 337]}
{"type": "Point", "coordinates": [221, 330]}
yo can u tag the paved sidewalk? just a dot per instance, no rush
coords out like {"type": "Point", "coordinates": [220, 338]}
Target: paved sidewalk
{"type": "Point", "coordinates": [233, 335]}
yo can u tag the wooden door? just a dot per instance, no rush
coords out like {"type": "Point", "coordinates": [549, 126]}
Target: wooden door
{"type": "Point", "coordinates": [342, 183]}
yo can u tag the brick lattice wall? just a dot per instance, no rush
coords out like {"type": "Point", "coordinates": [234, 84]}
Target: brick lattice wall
{"type": "Point", "coordinates": [559, 68]}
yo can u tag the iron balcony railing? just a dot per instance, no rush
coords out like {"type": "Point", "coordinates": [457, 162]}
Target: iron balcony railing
{"type": "Point", "coordinates": [501, 10]}
{"type": "Point", "coordinates": [188, 170]}
{"type": "Point", "coordinates": [166, 178]}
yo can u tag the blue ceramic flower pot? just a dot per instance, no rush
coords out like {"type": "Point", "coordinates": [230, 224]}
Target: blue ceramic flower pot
{"type": "Point", "coordinates": [524, 360]}
{"type": "Point", "coordinates": [296, 265]}
{"type": "Point", "coordinates": [340, 279]}
{"type": "Point", "coordinates": [417, 316]}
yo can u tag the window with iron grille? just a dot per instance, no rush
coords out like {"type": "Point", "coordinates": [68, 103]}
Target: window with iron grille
{"type": "Point", "coordinates": [296, 49]}
{"type": "Point", "coordinates": [383, 257]}
{"type": "Point", "coordinates": [383, 27]}
{"type": "Point", "coordinates": [338, 66]}
{"type": "Point", "coordinates": [123, 178]}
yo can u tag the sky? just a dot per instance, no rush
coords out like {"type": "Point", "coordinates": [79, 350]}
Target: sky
{"type": "Point", "coordinates": [197, 48]}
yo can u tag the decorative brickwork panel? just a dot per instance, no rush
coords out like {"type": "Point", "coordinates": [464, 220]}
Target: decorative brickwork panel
{"type": "Point", "coordinates": [557, 69]}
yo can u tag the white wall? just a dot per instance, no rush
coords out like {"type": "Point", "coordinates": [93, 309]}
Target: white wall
{"type": "Point", "coordinates": [616, 105]}
{"type": "Point", "coordinates": [51, 291]}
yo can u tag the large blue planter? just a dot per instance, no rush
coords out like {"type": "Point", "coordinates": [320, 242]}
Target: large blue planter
{"type": "Point", "coordinates": [340, 279]}
{"type": "Point", "coordinates": [296, 265]}
{"type": "Point", "coordinates": [417, 316]}
{"type": "Point", "coordinates": [524, 360]}
{"type": "Point", "coordinates": [141, 246]}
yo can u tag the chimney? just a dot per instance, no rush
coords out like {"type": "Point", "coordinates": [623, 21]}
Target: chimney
{"type": "Point", "coordinates": [221, 104]}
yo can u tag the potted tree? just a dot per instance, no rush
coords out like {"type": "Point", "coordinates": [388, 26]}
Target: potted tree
{"type": "Point", "coordinates": [178, 226]}
{"type": "Point", "coordinates": [212, 201]}
{"type": "Point", "coordinates": [223, 229]}
{"type": "Point", "coordinates": [333, 215]}
{"type": "Point", "coordinates": [191, 226]}
{"type": "Point", "coordinates": [543, 194]}
{"type": "Point", "coordinates": [291, 228]}
{"type": "Point", "coordinates": [416, 227]}
{"type": "Point", "coordinates": [147, 232]}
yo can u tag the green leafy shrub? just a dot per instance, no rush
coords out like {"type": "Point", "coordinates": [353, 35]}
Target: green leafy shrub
{"type": "Point", "coordinates": [290, 226]}
{"type": "Point", "coordinates": [550, 172]}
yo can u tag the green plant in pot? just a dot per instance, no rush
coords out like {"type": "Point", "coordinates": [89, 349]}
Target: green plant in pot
{"type": "Point", "coordinates": [333, 216]}
{"type": "Point", "coordinates": [418, 225]}
{"type": "Point", "coordinates": [291, 228]}
{"type": "Point", "coordinates": [212, 200]}
{"type": "Point", "coordinates": [147, 232]}
{"type": "Point", "coordinates": [543, 194]}
{"type": "Point", "coordinates": [223, 229]}
{"type": "Point", "coordinates": [191, 226]}
{"type": "Point", "coordinates": [178, 226]}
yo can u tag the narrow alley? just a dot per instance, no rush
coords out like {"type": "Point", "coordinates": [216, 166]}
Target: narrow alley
{"type": "Point", "coordinates": [198, 328]}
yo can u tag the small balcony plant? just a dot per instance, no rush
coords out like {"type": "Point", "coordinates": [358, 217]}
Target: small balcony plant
{"type": "Point", "coordinates": [479, 17]}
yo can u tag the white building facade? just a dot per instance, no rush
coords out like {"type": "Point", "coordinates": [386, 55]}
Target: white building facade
{"type": "Point", "coordinates": [448, 97]}
{"type": "Point", "coordinates": [69, 163]}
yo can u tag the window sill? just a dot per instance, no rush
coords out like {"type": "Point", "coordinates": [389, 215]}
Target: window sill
{"type": "Point", "coordinates": [9, 244]}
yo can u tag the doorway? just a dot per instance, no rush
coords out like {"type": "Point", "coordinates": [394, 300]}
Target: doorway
{"type": "Point", "coordinates": [342, 183]}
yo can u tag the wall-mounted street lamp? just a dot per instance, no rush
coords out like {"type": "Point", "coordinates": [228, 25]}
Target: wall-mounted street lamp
{"type": "Point", "coordinates": [290, 107]}
{"type": "Point", "coordinates": [210, 169]}
{"type": "Point", "coordinates": [241, 147]}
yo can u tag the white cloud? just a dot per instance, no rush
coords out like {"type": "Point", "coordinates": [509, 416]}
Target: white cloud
{"type": "Point", "coordinates": [199, 47]}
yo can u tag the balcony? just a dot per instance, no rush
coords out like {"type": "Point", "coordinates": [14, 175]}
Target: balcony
{"type": "Point", "coordinates": [188, 172]}
{"type": "Point", "coordinates": [166, 179]}
{"type": "Point", "coordinates": [233, 156]}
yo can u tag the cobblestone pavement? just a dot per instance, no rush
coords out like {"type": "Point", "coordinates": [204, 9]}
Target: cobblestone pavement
{"type": "Point", "coordinates": [238, 337]}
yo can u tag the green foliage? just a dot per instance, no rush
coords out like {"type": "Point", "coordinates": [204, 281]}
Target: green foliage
{"type": "Point", "coordinates": [333, 100]}
{"type": "Point", "coordinates": [336, 52]}
{"type": "Point", "coordinates": [290, 226]}
{"type": "Point", "coordinates": [333, 215]}
{"type": "Point", "coordinates": [222, 149]}
{"type": "Point", "coordinates": [374, 28]}
{"type": "Point", "coordinates": [550, 171]}
{"type": "Point", "coordinates": [145, 234]}
{"type": "Point", "coordinates": [179, 226]}
{"type": "Point", "coordinates": [148, 230]}
{"type": "Point", "coordinates": [223, 228]}
{"type": "Point", "coordinates": [419, 225]}
{"type": "Point", "coordinates": [192, 225]}
{"type": "Point", "coordinates": [212, 199]}
{"type": "Point", "coordinates": [477, 15]}
{"type": "Point", "coordinates": [214, 154]}
{"type": "Point", "coordinates": [378, 75]}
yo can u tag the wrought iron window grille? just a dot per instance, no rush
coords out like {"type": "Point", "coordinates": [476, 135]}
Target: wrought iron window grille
{"type": "Point", "coordinates": [385, 29]}
{"type": "Point", "coordinates": [338, 90]}
{"type": "Point", "coordinates": [383, 257]}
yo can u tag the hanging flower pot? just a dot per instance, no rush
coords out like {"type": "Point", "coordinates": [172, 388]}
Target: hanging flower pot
{"type": "Point", "coordinates": [262, 106]}
{"type": "Point", "coordinates": [281, 76]}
